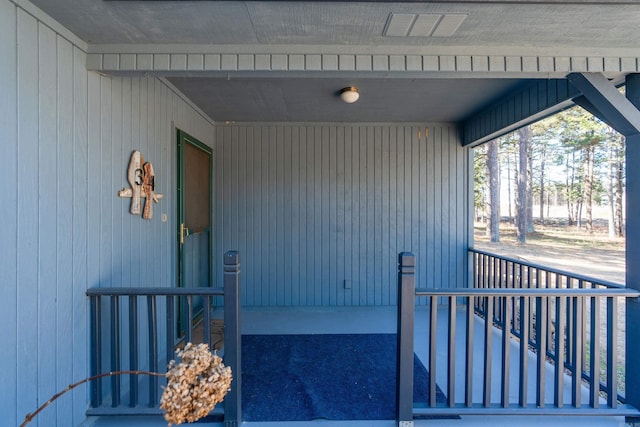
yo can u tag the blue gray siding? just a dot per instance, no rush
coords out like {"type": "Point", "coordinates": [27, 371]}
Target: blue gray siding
{"type": "Point", "coordinates": [312, 206]}
{"type": "Point", "coordinates": [524, 106]}
{"type": "Point", "coordinates": [308, 206]}
{"type": "Point", "coordinates": [67, 135]}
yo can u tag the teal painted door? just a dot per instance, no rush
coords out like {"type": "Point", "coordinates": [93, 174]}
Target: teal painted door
{"type": "Point", "coordinates": [194, 222]}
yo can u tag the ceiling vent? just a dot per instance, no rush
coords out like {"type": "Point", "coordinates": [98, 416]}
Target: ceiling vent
{"type": "Point", "coordinates": [423, 25]}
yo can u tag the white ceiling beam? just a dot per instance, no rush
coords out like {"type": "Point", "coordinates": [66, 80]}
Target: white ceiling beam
{"type": "Point", "coordinates": [430, 66]}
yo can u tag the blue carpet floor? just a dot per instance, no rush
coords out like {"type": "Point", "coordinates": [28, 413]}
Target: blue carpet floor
{"type": "Point", "coordinates": [334, 377]}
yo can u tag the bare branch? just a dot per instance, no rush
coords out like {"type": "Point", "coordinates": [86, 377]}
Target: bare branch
{"type": "Point", "coordinates": [30, 417]}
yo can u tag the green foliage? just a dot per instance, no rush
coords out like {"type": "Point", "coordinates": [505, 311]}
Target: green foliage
{"type": "Point", "coordinates": [572, 152]}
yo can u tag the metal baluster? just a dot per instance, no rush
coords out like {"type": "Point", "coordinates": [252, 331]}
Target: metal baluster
{"type": "Point", "coordinates": [612, 352]}
{"type": "Point", "coordinates": [486, 395]}
{"type": "Point", "coordinates": [570, 327]}
{"type": "Point", "coordinates": [476, 270]}
{"type": "Point", "coordinates": [152, 314]}
{"type": "Point", "coordinates": [171, 334]}
{"type": "Point", "coordinates": [433, 319]}
{"type": "Point", "coordinates": [551, 284]}
{"type": "Point", "coordinates": [499, 308]}
{"type": "Point", "coordinates": [583, 348]}
{"type": "Point", "coordinates": [533, 306]}
{"type": "Point", "coordinates": [451, 376]}
{"type": "Point", "coordinates": [468, 397]}
{"type": "Point", "coordinates": [560, 353]}
{"type": "Point", "coordinates": [542, 320]}
{"type": "Point", "coordinates": [96, 351]}
{"type": "Point", "coordinates": [514, 308]}
{"type": "Point", "coordinates": [496, 305]}
{"type": "Point", "coordinates": [506, 352]}
{"type": "Point", "coordinates": [484, 284]}
{"type": "Point", "coordinates": [478, 263]}
{"type": "Point", "coordinates": [531, 285]}
{"type": "Point", "coordinates": [578, 344]}
{"type": "Point", "coordinates": [483, 274]}
{"type": "Point", "coordinates": [189, 329]}
{"type": "Point", "coordinates": [594, 351]}
{"type": "Point", "coordinates": [133, 349]}
{"type": "Point", "coordinates": [207, 320]}
{"type": "Point", "coordinates": [524, 353]}
{"type": "Point", "coordinates": [115, 351]}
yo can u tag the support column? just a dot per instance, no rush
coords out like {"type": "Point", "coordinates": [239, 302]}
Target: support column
{"type": "Point", "coordinates": [232, 338]}
{"type": "Point", "coordinates": [632, 368]}
{"type": "Point", "coordinates": [406, 321]}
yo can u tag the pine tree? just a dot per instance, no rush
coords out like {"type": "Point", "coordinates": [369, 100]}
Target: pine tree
{"type": "Point", "coordinates": [493, 167]}
{"type": "Point", "coordinates": [521, 199]}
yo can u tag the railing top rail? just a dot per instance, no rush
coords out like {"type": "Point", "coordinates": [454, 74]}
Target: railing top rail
{"type": "Point", "coordinates": [552, 270]}
{"type": "Point", "coordinates": [155, 291]}
{"type": "Point", "coordinates": [526, 292]}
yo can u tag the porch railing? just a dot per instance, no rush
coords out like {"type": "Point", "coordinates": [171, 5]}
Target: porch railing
{"type": "Point", "coordinates": [135, 329]}
{"type": "Point", "coordinates": [492, 271]}
{"type": "Point", "coordinates": [556, 323]}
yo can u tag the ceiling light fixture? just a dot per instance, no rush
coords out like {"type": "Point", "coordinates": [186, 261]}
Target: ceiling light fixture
{"type": "Point", "coordinates": [349, 94]}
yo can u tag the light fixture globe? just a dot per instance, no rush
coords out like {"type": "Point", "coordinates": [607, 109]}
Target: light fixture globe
{"type": "Point", "coordinates": [349, 94]}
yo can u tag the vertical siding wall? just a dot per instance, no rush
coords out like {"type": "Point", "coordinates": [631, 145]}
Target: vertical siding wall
{"type": "Point", "coordinates": [313, 206]}
{"type": "Point", "coordinates": [67, 135]}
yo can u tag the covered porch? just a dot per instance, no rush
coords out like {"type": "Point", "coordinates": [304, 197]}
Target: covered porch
{"type": "Point", "coordinates": [319, 197]}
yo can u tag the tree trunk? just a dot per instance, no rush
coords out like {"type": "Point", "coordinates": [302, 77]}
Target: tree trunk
{"type": "Point", "coordinates": [494, 190]}
{"type": "Point", "coordinates": [611, 222]}
{"type": "Point", "coordinates": [619, 190]}
{"type": "Point", "coordinates": [509, 185]}
{"type": "Point", "coordinates": [589, 153]}
{"type": "Point", "coordinates": [570, 178]}
{"type": "Point", "coordinates": [579, 214]}
{"type": "Point", "coordinates": [521, 195]}
{"type": "Point", "coordinates": [566, 190]}
{"type": "Point", "coordinates": [530, 228]}
{"type": "Point", "coordinates": [542, 193]}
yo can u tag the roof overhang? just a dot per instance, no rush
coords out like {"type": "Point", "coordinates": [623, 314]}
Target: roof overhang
{"type": "Point", "coordinates": [494, 65]}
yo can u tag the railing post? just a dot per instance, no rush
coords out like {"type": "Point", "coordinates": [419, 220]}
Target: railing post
{"type": "Point", "coordinates": [406, 319]}
{"type": "Point", "coordinates": [632, 250]}
{"type": "Point", "coordinates": [232, 338]}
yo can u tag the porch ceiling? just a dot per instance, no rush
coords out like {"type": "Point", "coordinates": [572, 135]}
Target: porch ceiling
{"type": "Point", "coordinates": [574, 28]}
{"type": "Point", "coordinates": [488, 23]}
{"type": "Point", "coordinates": [316, 100]}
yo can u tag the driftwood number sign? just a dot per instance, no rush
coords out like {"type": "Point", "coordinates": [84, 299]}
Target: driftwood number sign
{"type": "Point", "coordinates": [142, 185]}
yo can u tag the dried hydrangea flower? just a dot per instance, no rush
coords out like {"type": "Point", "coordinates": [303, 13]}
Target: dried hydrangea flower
{"type": "Point", "coordinates": [195, 385]}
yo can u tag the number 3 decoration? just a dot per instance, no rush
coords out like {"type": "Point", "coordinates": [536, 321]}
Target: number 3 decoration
{"type": "Point", "coordinates": [142, 181]}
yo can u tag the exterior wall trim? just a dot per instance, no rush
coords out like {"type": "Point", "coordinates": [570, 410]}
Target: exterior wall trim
{"type": "Point", "coordinates": [459, 65]}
